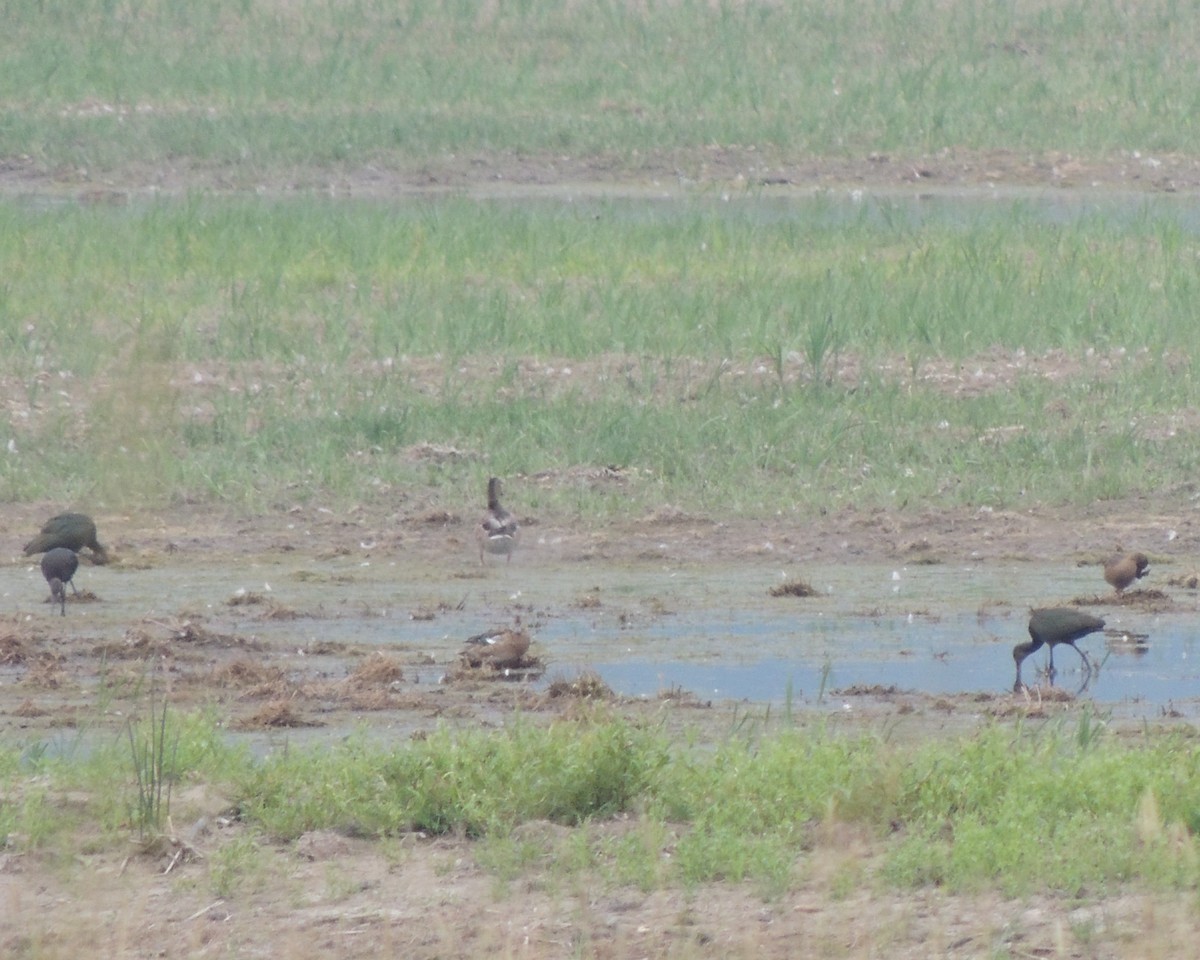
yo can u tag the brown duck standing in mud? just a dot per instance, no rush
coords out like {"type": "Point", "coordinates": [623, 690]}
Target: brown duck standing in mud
{"type": "Point", "coordinates": [58, 567]}
{"type": "Point", "coordinates": [498, 648]}
{"type": "Point", "coordinates": [497, 531]}
{"type": "Point", "coordinates": [1124, 568]}
{"type": "Point", "coordinates": [74, 531]}
{"type": "Point", "coordinates": [1052, 626]}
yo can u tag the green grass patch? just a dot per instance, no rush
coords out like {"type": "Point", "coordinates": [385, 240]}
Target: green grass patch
{"type": "Point", "coordinates": [1066, 807]}
{"type": "Point", "coordinates": [263, 89]}
{"type": "Point", "coordinates": [461, 783]}
{"type": "Point", "coordinates": [731, 356]}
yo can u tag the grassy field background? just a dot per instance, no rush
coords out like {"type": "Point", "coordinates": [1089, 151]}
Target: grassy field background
{"type": "Point", "coordinates": [308, 316]}
{"type": "Point", "coordinates": [187, 315]}
{"type": "Point", "coordinates": [252, 87]}
{"type": "Point", "coordinates": [729, 355]}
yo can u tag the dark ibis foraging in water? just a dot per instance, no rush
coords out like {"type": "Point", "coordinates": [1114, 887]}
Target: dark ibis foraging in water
{"type": "Point", "coordinates": [1052, 626]}
{"type": "Point", "coordinates": [58, 567]}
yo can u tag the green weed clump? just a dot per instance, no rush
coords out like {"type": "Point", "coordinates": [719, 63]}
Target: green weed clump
{"type": "Point", "coordinates": [154, 754]}
{"type": "Point", "coordinates": [468, 783]}
{"type": "Point", "coordinates": [1047, 811]}
{"type": "Point", "coordinates": [752, 809]}
{"type": "Point", "coordinates": [120, 783]}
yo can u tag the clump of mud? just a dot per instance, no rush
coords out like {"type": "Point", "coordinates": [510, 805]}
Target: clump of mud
{"type": "Point", "coordinates": [867, 690]}
{"type": "Point", "coordinates": [271, 610]}
{"type": "Point", "coordinates": [527, 668]}
{"type": "Point", "coordinates": [151, 635]}
{"type": "Point", "coordinates": [255, 679]}
{"type": "Point", "coordinates": [378, 670]}
{"type": "Point", "coordinates": [14, 648]}
{"type": "Point", "coordinates": [586, 686]}
{"type": "Point", "coordinates": [793, 588]}
{"type": "Point", "coordinates": [277, 713]}
{"type": "Point", "coordinates": [46, 671]}
{"type": "Point", "coordinates": [83, 596]}
{"type": "Point", "coordinates": [1151, 600]}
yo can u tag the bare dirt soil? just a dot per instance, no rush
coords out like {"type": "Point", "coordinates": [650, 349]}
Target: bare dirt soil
{"type": "Point", "coordinates": [339, 895]}
{"type": "Point", "coordinates": [719, 167]}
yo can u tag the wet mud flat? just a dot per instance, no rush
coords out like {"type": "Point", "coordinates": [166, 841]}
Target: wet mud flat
{"type": "Point", "coordinates": [300, 633]}
{"type": "Point", "coordinates": [301, 644]}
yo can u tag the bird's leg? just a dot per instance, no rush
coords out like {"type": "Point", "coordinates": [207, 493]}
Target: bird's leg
{"type": "Point", "coordinates": [1051, 671]}
{"type": "Point", "coordinates": [1087, 664]}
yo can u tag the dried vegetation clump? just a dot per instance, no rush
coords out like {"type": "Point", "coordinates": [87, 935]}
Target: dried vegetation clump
{"type": "Point", "coordinates": [378, 670]}
{"type": "Point", "coordinates": [45, 671]}
{"type": "Point", "coordinates": [527, 668]}
{"type": "Point", "coordinates": [1150, 600]}
{"type": "Point", "coordinates": [14, 648]}
{"type": "Point", "coordinates": [254, 679]}
{"type": "Point", "coordinates": [277, 713]}
{"type": "Point", "coordinates": [793, 588]}
{"type": "Point", "coordinates": [272, 610]}
{"type": "Point", "coordinates": [162, 637]}
{"type": "Point", "coordinates": [867, 690]}
{"type": "Point", "coordinates": [586, 686]}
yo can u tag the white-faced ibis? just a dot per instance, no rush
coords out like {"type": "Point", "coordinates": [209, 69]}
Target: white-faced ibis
{"type": "Point", "coordinates": [497, 531]}
{"type": "Point", "coordinates": [71, 530]}
{"type": "Point", "coordinates": [58, 567]}
{"type": "Point", "coordinates": [1124, 568]}
{"type": "Point", "coordinates": [1052, 626]}
{"type": "Point", "coordinates": [497, 648]}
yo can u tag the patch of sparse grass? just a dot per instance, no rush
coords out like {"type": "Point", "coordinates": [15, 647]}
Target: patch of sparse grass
{"type": "Point", "coordinates": [1005, 809]}
{"type": "Point", "coordinates": [256, 90]}
{"type": "Point", "coordinates": [109, 795]}
{"type": "Point", "coordinates": [1009, 809]}
{"type": "Point", "coordinates": [259, 351]}
{"type": "Point", "coordinates": [1101, 814]}
{"type": "Point", "coordinates": [236, 866]}
{"type": "Point", "coordinates": [464, 783]}
{"type": "Point", "coordinates": [153, 753]}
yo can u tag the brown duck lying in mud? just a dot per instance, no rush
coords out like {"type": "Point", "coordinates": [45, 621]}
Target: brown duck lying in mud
{"type": "Point", "coordinates": [500, 649]}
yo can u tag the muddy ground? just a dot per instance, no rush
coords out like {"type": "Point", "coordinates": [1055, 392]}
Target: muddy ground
{"type": "Point", "coordinates": [189, 603]}
{"type": "Point", "coordinates": [343, 896]}
{"type": "Point", "coordinates": [713, 167]}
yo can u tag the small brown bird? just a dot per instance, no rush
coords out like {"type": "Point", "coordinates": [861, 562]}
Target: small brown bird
{"type": "Point", "coordinates": [1055, 625]}
{"type": "Point", "coordinates": [58, 567]}
{"type": "Point", "coordinates": [498, 648]}
{"type": "Point", "coordinates": [497, 531]}
{"type": "Point", "coordinates": [71, 530]}
{"type": "Point", "coordinates": [1121, 570]}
